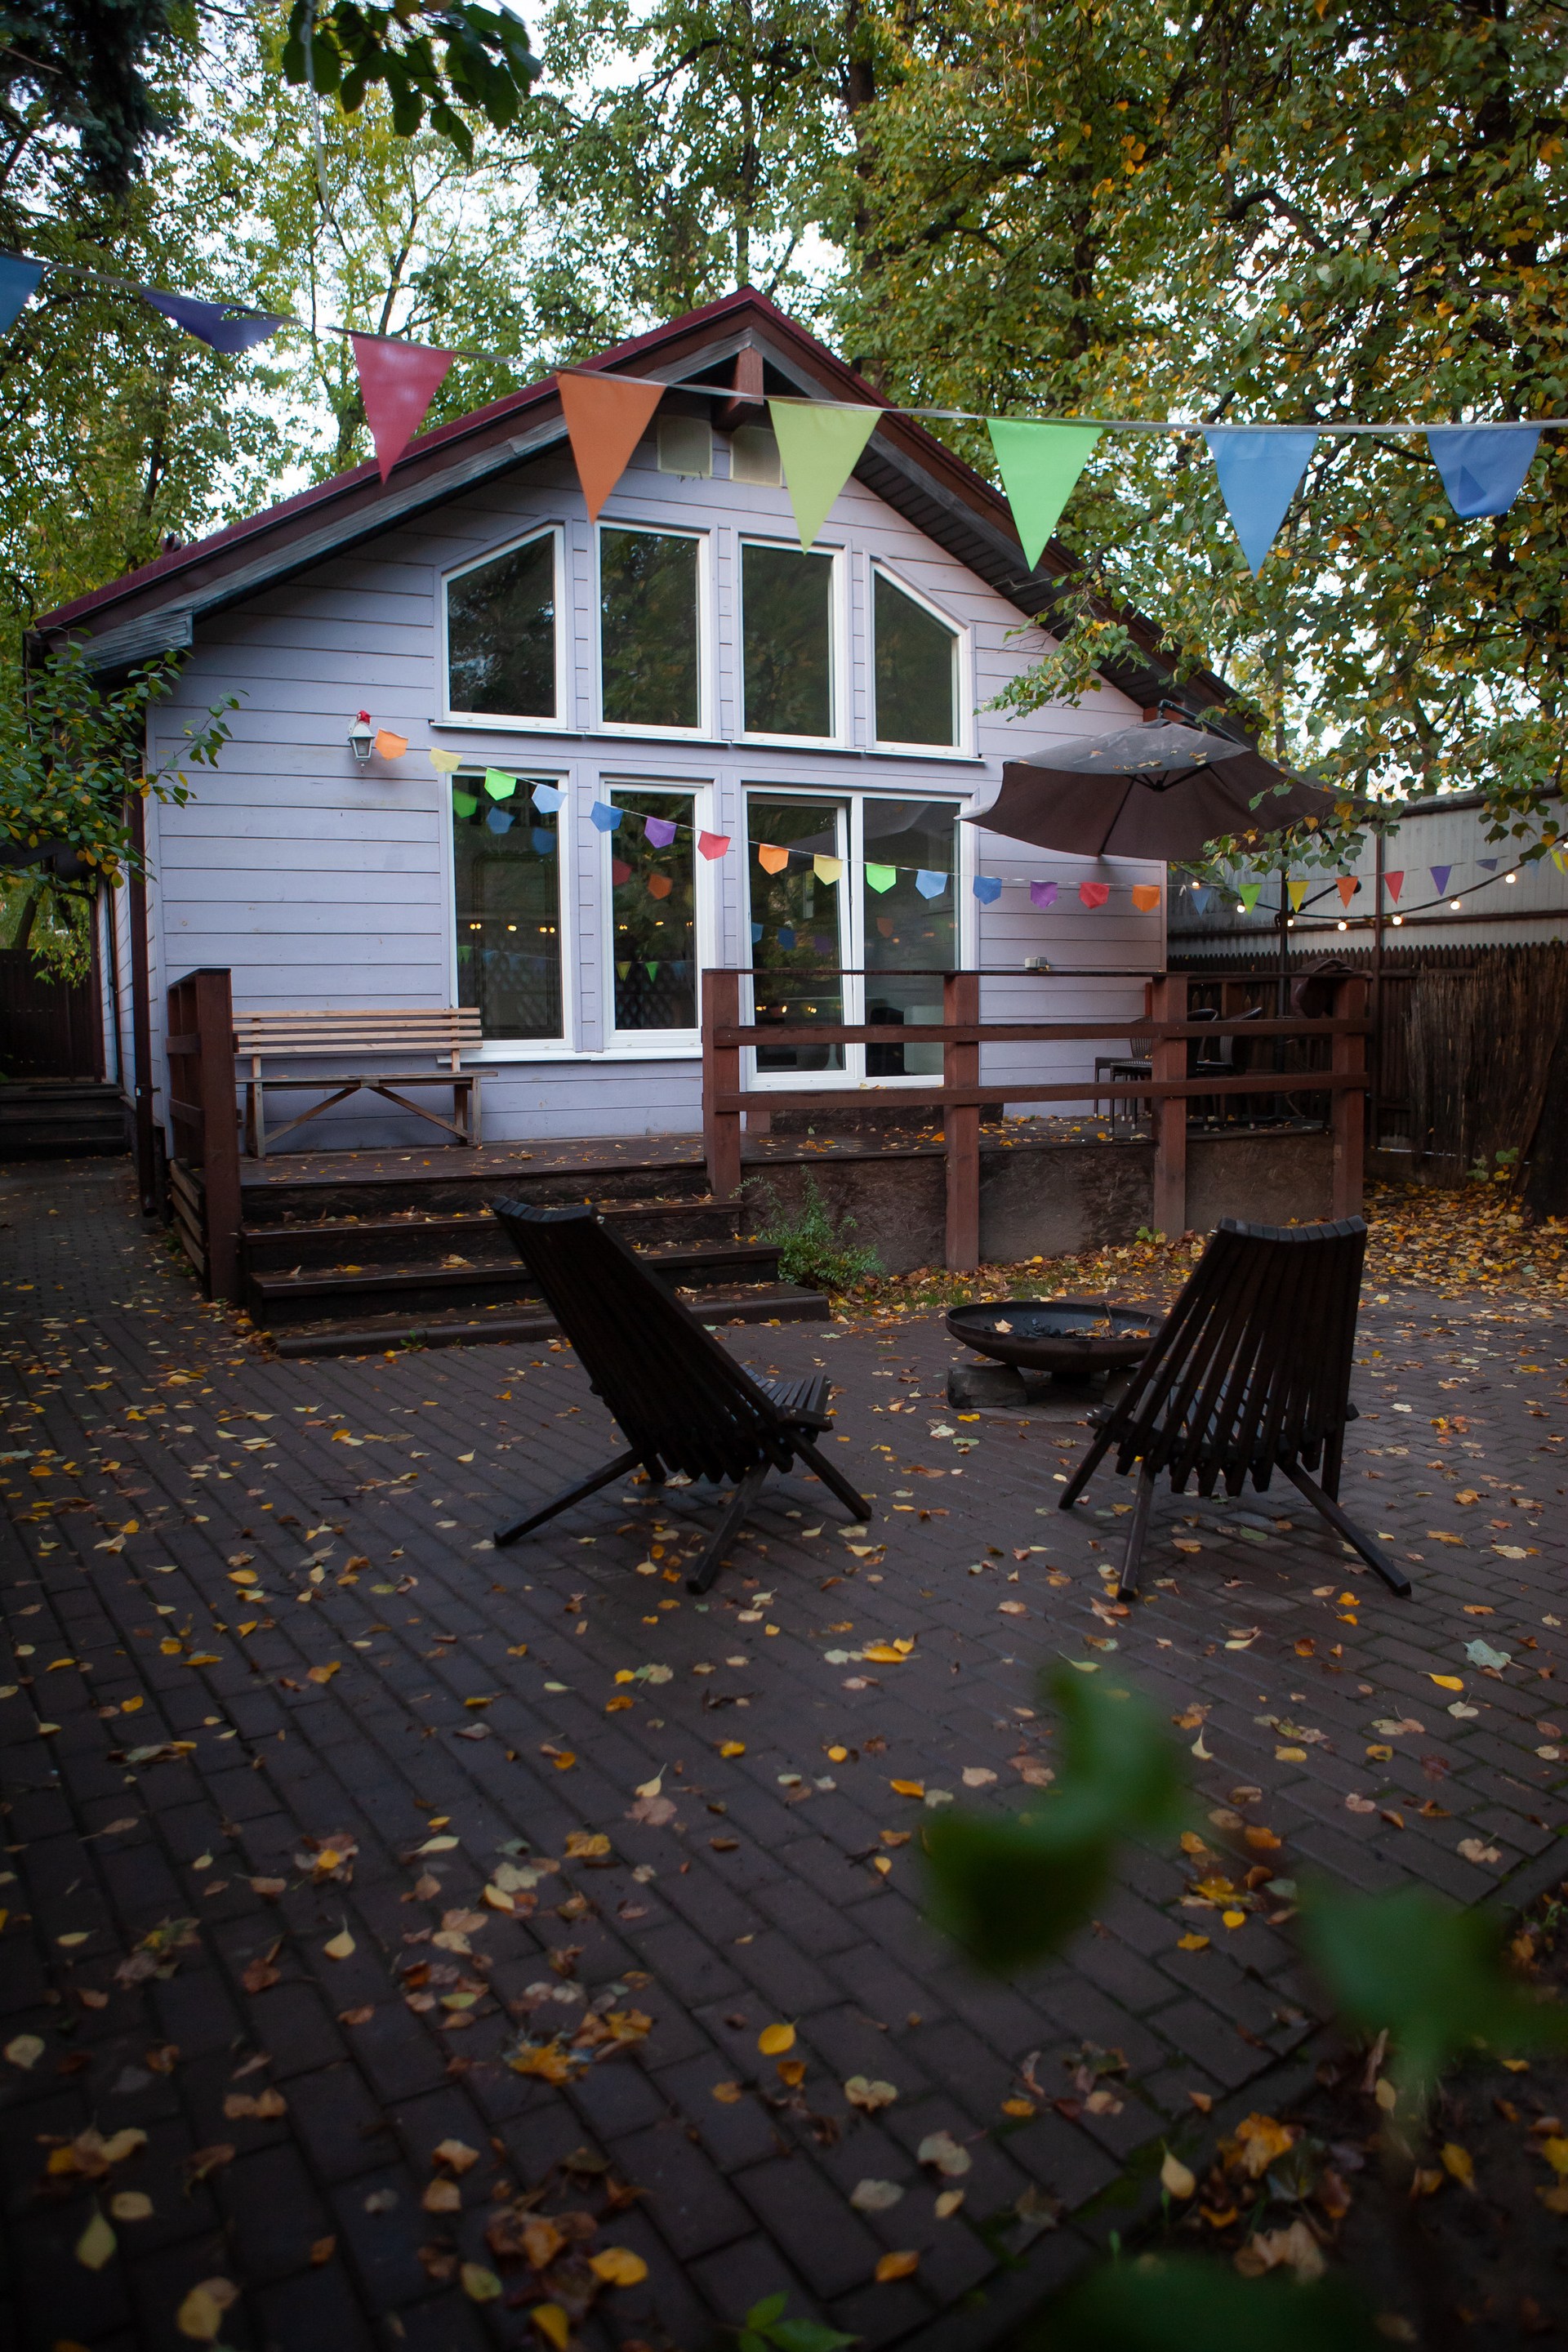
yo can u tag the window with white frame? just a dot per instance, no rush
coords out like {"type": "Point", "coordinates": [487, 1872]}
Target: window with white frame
{"type": "Point", "coordinates": [788, 638]}
{"type": "Point", "coordinates": [916, 669]}
{"type": "Point", "coordinates": [502, 622]}
{"type": "Point", "coordinates": [653, 902]}
{"type": "Point", "coordinates": [506, 874]}
{"type": "Point", "coordinates": [854, 908]}
{"type": "Point", "coordinates": [650, 632]}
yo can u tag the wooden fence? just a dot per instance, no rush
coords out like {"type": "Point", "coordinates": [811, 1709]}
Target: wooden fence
{"type": "Point", "coordinates": [960, 1095]}
{"type": "Point", "coordinates": [203, 1168]}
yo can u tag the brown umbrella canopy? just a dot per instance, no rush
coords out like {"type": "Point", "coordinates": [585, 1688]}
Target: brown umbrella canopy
{"type": "Point", "coordinates": [1160, 790]}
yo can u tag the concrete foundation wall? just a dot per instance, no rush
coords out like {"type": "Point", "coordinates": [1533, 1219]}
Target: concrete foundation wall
{"type": "Point", "coordinates": [1051, 1200]}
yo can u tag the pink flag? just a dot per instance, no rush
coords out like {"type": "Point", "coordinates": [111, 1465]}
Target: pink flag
{"type": "Point", "coordinates": [713, 844]}
{"type": "Point", "coordinates": [1094, 894]}
{"type": "Point", "coordinates": [1394, 883]}
{"type": "Point", "coordinates": [397, 382]}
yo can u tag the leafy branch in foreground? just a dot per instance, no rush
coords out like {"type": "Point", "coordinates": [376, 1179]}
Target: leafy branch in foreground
{"type": "Point", "coordinates": [486, 63]}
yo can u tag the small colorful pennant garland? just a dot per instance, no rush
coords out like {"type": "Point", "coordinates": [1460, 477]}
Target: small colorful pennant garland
{"type": "Point", "coordinates": [660, 831]}
{"type": "Point", "coordinates": [1483, 469]}
{"type": "Point", "coordinates": [606, 417]}
{"type": "Point", "coordinates": [605, 816]}
{"type": "Point", "coordinates": [1297, 888]}
{"type": "Point", "coordinates": [988, 888]}
{"type": "Point", "coordinates": [226, 326]}
{"type": "Point", "coordinates": [1039, 465]}
{"type": "Point", "coordinates": [713, 845]}
{"type": "Point", "coordinates": [1094, 894]}
{"type": "Point", "coordinates": [1393, 883]}
{"type": "Point", "coordinates": [880, 877]}
{"type": "Point", "coordinates": [1042, 895]}
{"type": "Point", "coordinates": [1259, 474]}
{"type": "Point", "coordinates": [1347, 886]}
{"type": "Point", "coordinates": [548, 798]}
{"type": "Point", "coordinates": [397, 382]}
{"type": "Point", "coordinates": [820, 442]}
{"type": "Point", "coordinates": [1439, 879]}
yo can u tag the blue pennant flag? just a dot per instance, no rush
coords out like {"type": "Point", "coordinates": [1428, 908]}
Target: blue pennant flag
{"type": "Point", "coordinates": [1259, 475]}
{"type": "Point", "coordinates": [1489, 865]}
{"type": "Point", "coordinates": [499, 820]}
{"type": "Point", "coordinates": [930, 885]}
{"type": "Point", "coordinates": [544, 841]}
{"type": "Point", "coordinates": [987, 888]}
{"type": "Point", "coordinates": [605, 816]}
{"type": "Point", "coordinates": [1201, 897]}
{"type": "Point", "coordinates": [547, 799]}
{"type": "Point", "coordinates": [1483, 466]}
{"type": "Point", "coordinates": [18, 282]}
{"type": "Point", "coordinates": [224, 325]}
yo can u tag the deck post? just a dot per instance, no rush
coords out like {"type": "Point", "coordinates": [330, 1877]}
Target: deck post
{"type": "Point", "coordinates": [721, 1076]}
{"type": "Point", "coordinates": [1169, 1061]}
{"type": "Point", "coordinates": [960, 1067]}
{"type": "Point", "coordinates": [200, 1035]}
{"type": "Point", "coordinates": [1347, 1113]}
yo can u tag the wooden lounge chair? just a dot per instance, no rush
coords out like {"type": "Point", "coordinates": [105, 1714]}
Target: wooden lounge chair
{"type": "Point", "coordinates": [682, 1401]}
{"type": "Point", "coordinates": [1249, 1374]}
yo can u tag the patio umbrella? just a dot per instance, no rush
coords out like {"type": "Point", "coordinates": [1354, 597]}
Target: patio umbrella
{"type": "Point", "coordinates": [1160, 790]}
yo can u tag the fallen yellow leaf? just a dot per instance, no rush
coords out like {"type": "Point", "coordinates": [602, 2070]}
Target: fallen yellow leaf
{"type": "Point", "coordinates": [774, 2039]}
{"type": "Point", "coordinates": [733, 1748]}
{"type": "Point", "coordinates": [341, 1947]}
{"type": "Point", "coordinates": [1192, 1943]}
{"type": "Point", "coordinates": [618, 2266]}
{"type": "Point", "coordinates": [1174, 2177]}
{"type": "Point", "coordinates": [552, 2325]}
{"type": "Point", "coordinates": [897, 2266]}
{"type": "Point", "coordinates": [908, 1788]}
{"type": "Point", "coordinates": [1447, 1682]}
{"type": "Point", "coordinates": [1458, 2161]}
{"type": "Point", "coordinates": [96, 2243]}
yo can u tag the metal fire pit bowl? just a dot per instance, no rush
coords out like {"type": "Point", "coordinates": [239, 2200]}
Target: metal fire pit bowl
{"type": "Point", "coordinates": [1072, 1338]}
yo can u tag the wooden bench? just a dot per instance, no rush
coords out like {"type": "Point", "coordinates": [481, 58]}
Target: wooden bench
{"type": "Point", "coordinates": [443, 1032]}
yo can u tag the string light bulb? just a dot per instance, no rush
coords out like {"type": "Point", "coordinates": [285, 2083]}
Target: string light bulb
{"type": "Point", "coordinates": [1397, 920]}
{"type": "Point", "coordinates": [1456, 904]}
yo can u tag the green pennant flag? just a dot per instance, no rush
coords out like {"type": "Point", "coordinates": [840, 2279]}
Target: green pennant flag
{"type": "Point", "coordinates": [880, 877]}
{"type": "Point", "coordinates": [463, 804]}
{"type": "Point", "coordinates": [499, 784]}
{"type": "Point", "coordinates": [1039, 465]}
{"type": "Point", "coordinates": [1248, 894]}
{"type": "Point", "coordinates": [819, 441]}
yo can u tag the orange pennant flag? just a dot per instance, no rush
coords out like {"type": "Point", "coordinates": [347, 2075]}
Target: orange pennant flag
{"type": "Point", "coordinates": [1145, 896]}
{"type": "Point", "coordinates": [1345, 885]}
{"type": "Point", "coordinates": [390, 745]}
{"type": "Point", "coordinates": [772, 859]}
{"type": "Point", "coordinates": [606, 417]}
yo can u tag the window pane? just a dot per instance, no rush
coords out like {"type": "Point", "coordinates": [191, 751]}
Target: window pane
{"type": "Point", "coordinates": [653, 894]}
{"type": "Point", "coordinates": [500, 635]}
{"type": "Point", "coordinates": [647, 592]}
{"type": "Point", "coordinates": [794, 927]}
{"type": "Point", "coordinates": [786, 602]}
{"type": "Point", "coordinates": [917, 670]}
{"type": "Point", "coordinates": [909, 936]}
{"type": "Point", "coordinates": [508, 889]}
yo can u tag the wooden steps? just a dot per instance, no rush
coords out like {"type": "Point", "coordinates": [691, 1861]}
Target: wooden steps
{"type": "Point", "coordinates": [61, 1119]}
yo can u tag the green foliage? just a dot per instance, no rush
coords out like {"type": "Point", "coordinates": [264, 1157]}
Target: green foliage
{"type": "Point", "coordinates": [1014, 1889]}
{"type": "Point", "coordinates": [811, 1244]}
{"type": "Point", "coordinates": [486, 64]}
{"type": "Point", "coordinates": [1160, 2303]}
{"type": "Point", "coordinates": [767, 2330]}
{"type": "Point", "coordinates": [1429, 1974]}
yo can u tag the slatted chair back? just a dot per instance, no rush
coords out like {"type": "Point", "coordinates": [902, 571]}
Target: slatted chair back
{"type": "Point", "coordinates": [681, 1400]}
{"type": "Point", "coordinates": [1251, 1368]}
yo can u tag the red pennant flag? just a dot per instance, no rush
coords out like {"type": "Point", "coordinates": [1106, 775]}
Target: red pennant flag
{"type": "Point", "coordinates": [1394, 883]}
{"type": "Point", "coordinates": [713, 844]}
{"type": "Point", "coordinates": [1094, 894]}
{"type": "Point", "coordinates": [1345, 885]}
{"type": "Point", "coordinates": [397, 382]}
{"type": "Point", "coordinates": [606, 417]}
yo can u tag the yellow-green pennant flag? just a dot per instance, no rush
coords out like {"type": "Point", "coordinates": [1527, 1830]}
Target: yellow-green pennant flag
{"type": "Point", "coordinates": [1297, 886]}
{"type": "Point", "coordinates": [1039, 465]}
{"type": "Point", "coordinates": [819, 441]}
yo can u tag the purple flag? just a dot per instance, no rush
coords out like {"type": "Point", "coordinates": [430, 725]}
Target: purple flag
{"type": "Point", "coordinates": [660, 831]}
{"type": "Point", "coordinates": [1489, 865]}
{"type": "Point", "coordinates": [1440, 879]}
{"type": "Point", "coordinates": [1043, 894]}
{"type": "Point", "coordinates": [224, 325]}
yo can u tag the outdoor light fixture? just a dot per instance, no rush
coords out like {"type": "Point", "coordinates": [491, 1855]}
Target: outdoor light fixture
{"type": "Point", "coordinates": [361, 738]}
{"type": "Point", "coordinates": [1397, 920]}
{"type": "Point", "coordinates": [1342, 927]}
{"type": "Point", "coordinates": [1511, 878]}
{"type": "Point", "coordinates": [1456, 904]}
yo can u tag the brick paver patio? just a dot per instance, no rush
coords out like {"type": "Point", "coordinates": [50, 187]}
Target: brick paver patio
{"type": "Point", "coordinates": [269, 1697]}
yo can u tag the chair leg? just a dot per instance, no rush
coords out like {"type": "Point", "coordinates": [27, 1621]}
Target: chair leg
{"type": "Point", "coordinates": [586, 1486]}
{"type": "Point", "coordinates": [1142, 1502]}
{"type": "Point", "coordinates": [1333, 1455]}
{"type": "Point", "coordinates": [1084, 1473]}
{"type": "Point", "coordinates": [833, 1480]}
{"type": "Point", "coordinates": [1329, 1509]}
{"type": "Point", "coordinates": [735, 1511]}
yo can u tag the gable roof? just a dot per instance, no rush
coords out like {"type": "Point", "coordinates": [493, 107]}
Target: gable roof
{"type": "Point", "coordinates": [154, 608]}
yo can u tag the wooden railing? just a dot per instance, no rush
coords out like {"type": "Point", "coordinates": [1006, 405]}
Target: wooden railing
{"type": "Point", "coordinates": [960, 1095]}
{"type": "Point", "coordinates": [204, 1165]}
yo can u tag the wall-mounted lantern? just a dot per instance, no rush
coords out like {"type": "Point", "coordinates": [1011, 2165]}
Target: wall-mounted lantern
{"type": "Point", "coordinates": [362, 739]}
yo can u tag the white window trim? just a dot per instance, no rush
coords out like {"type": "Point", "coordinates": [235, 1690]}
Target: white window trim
{"type": "Point", "coordinates": [704, 730]}
{"type": "Point", "coordinates": [559, 721]}
{"type": "Point", "coordinates": [838, 652]}
{"type": "Point", "coordinates": [852, 799]}
{"type": "Point", "coordinates": [962, 747]}
{"type": "Point", "coordinates": [658, 1044]}
{"type": "Point", "coordinates": [493, 1050]}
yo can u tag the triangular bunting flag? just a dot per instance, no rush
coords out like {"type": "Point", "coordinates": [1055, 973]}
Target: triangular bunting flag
{"type": "Point", "coordinates": [1298, 888]}
{"type": "Point", "coordinates": [463, 804]}
{"type": "Point", "coordinates": [1345, 885]}
{"type": "Point", "coordinates": [659, 830]}
{"type": "Point", "coordinates": [223, 325]}
{"type": "Point", "coordinates": [605, 816]}
{"type": "Point", "coordinates": [1201, 896]}
{"type": "Point", "coordinates": [499, 784]}
{"type": "Point", "coordinates": [390, 745]}
{"type": "Point", "coordinates": [1042, 894]}
{"type": "Point", "coordinates": [771, 857]}
{"type": "Point", "coordinates": [1394, 884]}
{"type": "Point", "coordinates": [651, 970]}
{"type": "Point", "coordinates": [18, 283]}
{"type": "Point", "coordinates": [397, 382]}
{"type": "Point", "coordinates": [1259, 475]}
{"type": "Point", "coordinates": [819, 441]}
{"type": "Point", "coordinates": [713, 845]}
{"type": "Point", "coordinates": [827, 869]}
{"type": "Point", "coordinates": [1094, 894]}
{"type": "Point", "coordinates": [930, 883]}
{"type": "Point", "coordinates": [547, 798]}
{"type": "Point", "coordinates": [1145, 895]}
{"type": "Point", "coordinates": [880, 877]}
{"type": "Point", "coordinates": [1440, 879]}
{"type": "Point", "coordinates": [606, 417]}
{"type": "Point", "coordinates": [1483, 467]}
{"type": "Point", "coordinates": [1489, 865]}
{"type": "Point", "coordinates": [1039, 465]}
{"type": "Point", "coordinates": [446, 763]}
{"type": "Point", "coordinates": [1247, 895]}
{"type": "Point", "coordinates": [987, 888]}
